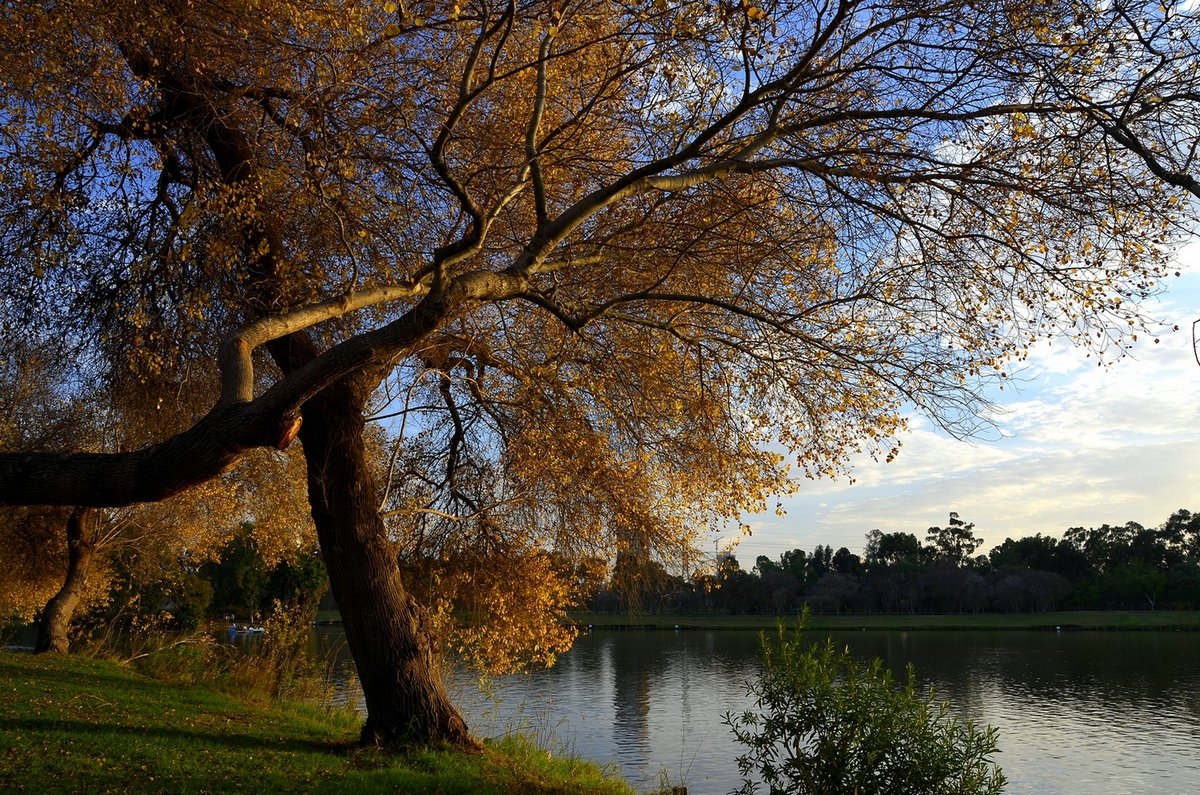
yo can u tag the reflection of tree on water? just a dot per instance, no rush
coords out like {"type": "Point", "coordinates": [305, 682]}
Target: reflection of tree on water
{"type": "Point", "coordinates": [631, 674]}
{"type": "Point", "coordinates": [1136, 670]}
{"type": "Point", "coordinates": [669, 690]}
{"type": "Point", "coordinates": [940, 660]}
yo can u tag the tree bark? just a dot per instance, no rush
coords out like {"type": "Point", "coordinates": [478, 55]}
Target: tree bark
{"type": "Point", "coordinates": [388, 632]}
{"type": "Point", "coordinates": [56, 617]}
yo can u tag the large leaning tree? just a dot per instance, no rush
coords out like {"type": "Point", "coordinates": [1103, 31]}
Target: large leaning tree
{"type": "Point", "coordinates": [589, 263]}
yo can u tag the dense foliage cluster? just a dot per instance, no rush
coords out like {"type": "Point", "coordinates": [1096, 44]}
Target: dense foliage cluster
{"type": "Point", "coordinates": [237, 582]}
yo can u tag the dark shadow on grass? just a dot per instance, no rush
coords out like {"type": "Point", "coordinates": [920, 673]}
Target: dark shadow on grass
{"type": "Point", "coordinates": [231, 740]}
{"type": "Point", "coordinates": [77, 679]}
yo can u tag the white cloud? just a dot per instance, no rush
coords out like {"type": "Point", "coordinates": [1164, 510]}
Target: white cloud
{"type": "Point", "coordinates": [1077, 445]}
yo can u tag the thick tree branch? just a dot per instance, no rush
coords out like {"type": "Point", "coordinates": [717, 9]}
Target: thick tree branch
{"type": "Point", "coordinates": [1122, 135]}
{"type": "Point", "coordinates": [222, 437]}
{"type": "Point", "coordinates": [237, 366]}
{"type": "Point", "coordinates": [213, 445]}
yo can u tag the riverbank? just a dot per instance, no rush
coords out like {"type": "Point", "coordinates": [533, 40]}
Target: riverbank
{"type": "Point", "coordinates": [1099, 620]}
{"type": "Point", "coordinates": [1180, 620]}
{"type": "Point", "coordinates": [75, 725]}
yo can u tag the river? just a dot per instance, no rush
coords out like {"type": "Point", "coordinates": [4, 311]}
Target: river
{"type": "Point", "coordinates": [1078, 712]}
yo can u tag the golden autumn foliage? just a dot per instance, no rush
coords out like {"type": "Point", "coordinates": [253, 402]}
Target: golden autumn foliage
{"type": "Point", "coordinates": [195, 525]}
{"type": "Point", "coordinates": [595, 262]}
{"type": "Point", "coordinates": [33, 554]}
{"type": "Point", "coordinates": [495, 622]}
{"type": "Point", "coordinates": [43, 411]}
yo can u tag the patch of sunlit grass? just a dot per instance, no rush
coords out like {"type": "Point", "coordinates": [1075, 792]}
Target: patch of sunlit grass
{"type": "Point", "coordinates": [76, 725]}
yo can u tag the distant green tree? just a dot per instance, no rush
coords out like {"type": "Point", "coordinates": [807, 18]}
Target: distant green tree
{"type": "Point", "coordinates": [1105, 546]}
{"type": "Point", "coordinates": [846, 562]}
{"type": "Point", "coordinates": [1041, 553]}
{"type": "Point", "coordinates": [1183, 587]}
{"type": "Point", "coordinates": [1181, 532]}
{"type": "Point", "coordinates": [833, 593]}
{"type": "Point", "coordinates": [192, 601]}
{"type": "Point", "coordinates": [956, 542]}
{"type": "Point", "coordinates": [1018, 589]}
{"type": "Point", "coordinates": [1150, 546]}
{"type": "Point", "coordinates": [795, 563]}
{"type": "Point", "coordinates": [826, 723]}
{"type": "Point", "coordinates": [238, 576]}
{"type": "Point", "coordinates": [765, 565]}
{"type": "Point", "coordinates": [301, 581]}
{"type": "Point", "coordinates": [175, 599]}
{"type": "Point", "coordinates": [1136, 585]}
{"type": "Point", "coordinates": [890, 549]}
{"type": "Point", "coordinates": [737, 591]}
{"type": "Point", "coordinates": [820, 562]}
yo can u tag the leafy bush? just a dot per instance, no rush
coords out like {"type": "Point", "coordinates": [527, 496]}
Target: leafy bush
{"type": "Point", "coordinates": [828, 723]}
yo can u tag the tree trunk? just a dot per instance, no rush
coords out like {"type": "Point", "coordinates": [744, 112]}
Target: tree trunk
{"type": "Point", "coordinates": [387, 631]}
{"type": "Point", "coordinates": [56, 617]}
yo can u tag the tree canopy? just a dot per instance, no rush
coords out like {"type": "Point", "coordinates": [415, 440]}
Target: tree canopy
{"type": "Point", "coordinates": [590, 262]}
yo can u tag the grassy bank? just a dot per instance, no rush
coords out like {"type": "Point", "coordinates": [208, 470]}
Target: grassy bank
{"type": "Point", "coordinates": [1066, 620]}
{"type": "Point", "coordinates": [76, 725]}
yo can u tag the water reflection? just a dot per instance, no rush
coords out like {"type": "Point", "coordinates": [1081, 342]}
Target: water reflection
{"type": "Point", "coordinates": [631, 706]}
{"type": "Point", "coordinates": [1077, 711]}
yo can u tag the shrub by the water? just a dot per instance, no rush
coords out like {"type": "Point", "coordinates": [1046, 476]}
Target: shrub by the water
{"type": "Point", "coordinates": [826, 723]}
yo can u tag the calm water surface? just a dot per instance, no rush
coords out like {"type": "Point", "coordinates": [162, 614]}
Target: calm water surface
{"type": "Point", "coordinates": [1078, 712]}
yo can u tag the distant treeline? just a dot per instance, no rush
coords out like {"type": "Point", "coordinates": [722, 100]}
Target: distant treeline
{"type": "Point", "coordinates": [1111, 567]}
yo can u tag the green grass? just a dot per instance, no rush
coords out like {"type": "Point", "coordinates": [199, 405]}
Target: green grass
{"type": "Point", "coordinates": [78, 725]}
{"type": "Point", "coordinates": [1093, 620]}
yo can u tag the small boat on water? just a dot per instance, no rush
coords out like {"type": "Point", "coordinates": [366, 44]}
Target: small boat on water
{"type": "Point", "coordinates": [245, 629]}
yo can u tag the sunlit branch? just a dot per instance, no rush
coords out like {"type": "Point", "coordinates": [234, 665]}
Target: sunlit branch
{"type": "Point", "coordinates": [237, 365]}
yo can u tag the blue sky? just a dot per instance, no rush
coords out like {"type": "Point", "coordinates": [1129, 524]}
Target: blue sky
{"type": "Point", "coordinates": [1076, 445]}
